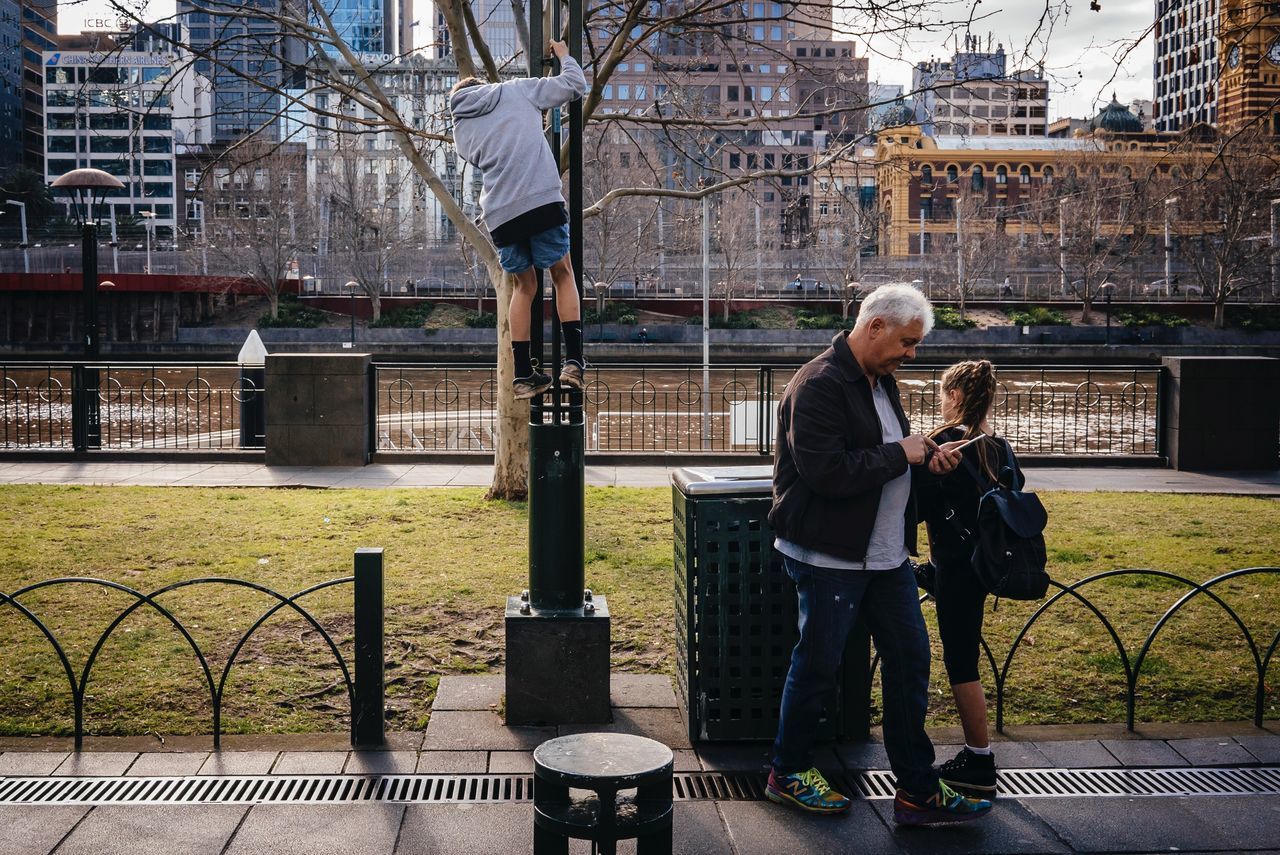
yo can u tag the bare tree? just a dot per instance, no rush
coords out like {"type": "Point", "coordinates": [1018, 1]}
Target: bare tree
{"type": "Point", "coordinates": [1224, 210]}
{"type": "Point", "coordinates": [256, 219]}
{"type": "Point", "coordinates": [1103, 218]}
{"type": "Point", "coordinates": [978, 243]}
{"type": "Point", "coordinates": [736, 237]}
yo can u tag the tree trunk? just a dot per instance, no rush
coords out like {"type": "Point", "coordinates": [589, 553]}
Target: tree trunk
{"type": "Point", "coordinates": [960, 302]}
{"type": "Point", "coordinates": [1086, 313]}
{"type": "Point", "coordinates": [273, 299]}
{"type": "Point", "coordinates": [511, 435]}
{"type": "Point", "coordinates": [375, 305]}
{"type": "Point", "coordinates": [727, 293]}
{"type": "Point", "coordinates": [1219, 312]}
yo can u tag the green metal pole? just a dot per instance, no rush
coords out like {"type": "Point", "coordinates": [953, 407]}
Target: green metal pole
{"type": "Point", "coordinates": [556, 514]}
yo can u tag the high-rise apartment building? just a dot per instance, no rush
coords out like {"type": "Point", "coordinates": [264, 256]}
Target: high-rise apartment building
{"type": "Point", "coordinates": [497, 27]}
{"type": "Point", "coordinates": [1250, 52]}
{"type": "Point", "coordinates": [367, 26]}
{"type": "Point", "coordinates": [976, 95]}
{"type": "Point", "coordinates": [113, 110]}
{"type": "Point", "coordinates": [1186, 69]}
{"type": "Point", "coordinates": [10, 75]}
{"type": "Point", "coordinates": [39, 24]}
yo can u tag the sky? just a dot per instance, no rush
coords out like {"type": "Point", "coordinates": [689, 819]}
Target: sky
{"type": "Point", "coordinates": [1082, 59]}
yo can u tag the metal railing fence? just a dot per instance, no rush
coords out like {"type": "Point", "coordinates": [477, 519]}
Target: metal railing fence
{"type": "Point", "coordinates": [663, 409]}
{"type": "Point", "coordinates": [128, 407]}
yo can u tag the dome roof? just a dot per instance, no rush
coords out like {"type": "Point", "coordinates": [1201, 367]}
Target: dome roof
{"type": "Point", "coordinates": [1117, 118]}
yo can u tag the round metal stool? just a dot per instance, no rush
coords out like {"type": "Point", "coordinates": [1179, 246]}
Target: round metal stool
{"type": "Point", "coordinates": [609, 766]}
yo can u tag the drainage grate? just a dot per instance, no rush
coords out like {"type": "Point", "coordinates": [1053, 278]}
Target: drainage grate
{"type": "Point", "coordinates": [689, 786]}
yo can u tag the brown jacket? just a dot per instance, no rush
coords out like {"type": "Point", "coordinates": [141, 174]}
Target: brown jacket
{"type": "Point", "coordinates": [830, 462]}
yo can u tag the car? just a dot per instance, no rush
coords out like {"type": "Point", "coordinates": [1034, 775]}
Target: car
{"type": "Point", "coordinates": [1172, 288]}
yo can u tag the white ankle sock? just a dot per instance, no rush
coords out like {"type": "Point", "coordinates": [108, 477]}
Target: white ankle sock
{"type": "Point", "coordinates": [983, 751]}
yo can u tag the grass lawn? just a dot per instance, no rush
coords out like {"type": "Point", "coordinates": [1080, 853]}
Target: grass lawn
{"type": "Point", "coordinates": [453, 558]}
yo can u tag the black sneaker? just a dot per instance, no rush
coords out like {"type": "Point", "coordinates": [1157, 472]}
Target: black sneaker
{"type": "Point", "coordinates": [533, 385]}
{"type": "Point", "coordinates": [571, 375]}
{"type": "Point", "coordinates": [971, 774]}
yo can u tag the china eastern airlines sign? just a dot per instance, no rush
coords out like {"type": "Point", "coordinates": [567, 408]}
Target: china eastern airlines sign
{"type": "Point", "coordinates": [98, 58]}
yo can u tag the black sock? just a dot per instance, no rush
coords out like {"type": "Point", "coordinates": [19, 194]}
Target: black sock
{"type": "Point", "coordinates": [524, 367]}
{"type": "Point", "coordinates": [573, 341]}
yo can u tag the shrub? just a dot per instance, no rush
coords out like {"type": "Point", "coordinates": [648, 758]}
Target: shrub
{"type": "Point", "coordinates": [808, 319]}
{"type": "Point", "coordinates": [292, 314]}
{"type": "Point", "coordinates": [1257, 319]}
{"type": "Point", "coordinates": [737, 321]}
{"type": "Point", "coordinates": [947, 318]}
{"type": "Point", "coordinates": [1038, 316]}
{"type": "Point", "coordinates": [1143, 318]}
{"type": "Point", "coordinates": [482, 320]}
{"type": "Point", "coordinates": [411, 317]}
{"type": "Point", "coordinates": [614, 313]}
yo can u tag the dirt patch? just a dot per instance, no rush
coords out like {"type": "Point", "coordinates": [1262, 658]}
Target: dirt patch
{"type": "Point", "coordinates": [447, 316]}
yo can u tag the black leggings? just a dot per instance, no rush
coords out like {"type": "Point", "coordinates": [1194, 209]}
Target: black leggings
{"type": "Point", "coordinates": [960, 598]}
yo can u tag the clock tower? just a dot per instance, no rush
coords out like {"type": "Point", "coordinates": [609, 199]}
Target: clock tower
{"type": "Point", "coordinates": [1249, 51]}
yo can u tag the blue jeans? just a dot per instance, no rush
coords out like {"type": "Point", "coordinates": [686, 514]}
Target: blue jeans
{"type": "Point", "coordinates": [830, 602]}
{"type": "Point", "coordinates": [541, 251]}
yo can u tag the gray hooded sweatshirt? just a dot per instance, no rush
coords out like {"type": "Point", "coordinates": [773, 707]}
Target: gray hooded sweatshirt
{"type": "Point", "coordinates": [497, 128]}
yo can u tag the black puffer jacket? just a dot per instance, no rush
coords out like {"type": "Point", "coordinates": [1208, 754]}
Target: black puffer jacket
{"type": "Point", "coordinates": [830, 462]}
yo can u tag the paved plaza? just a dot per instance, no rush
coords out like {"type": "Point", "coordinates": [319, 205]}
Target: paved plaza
{"type": "Point", "coordinates": [219, 474]}
{"type": "Point", "coordinates": [466, 737]}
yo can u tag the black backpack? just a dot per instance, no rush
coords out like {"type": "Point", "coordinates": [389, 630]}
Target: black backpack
{"type": "Point", "coordinates": [1008, 539]}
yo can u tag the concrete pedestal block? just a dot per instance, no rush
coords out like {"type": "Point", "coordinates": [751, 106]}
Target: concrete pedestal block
{"type": "Point", "coordinates": [1221, 412]}
{"type": "Point", "coordinates": [557, 665]}
{"type": "Point", "coordinates": [318, 409]}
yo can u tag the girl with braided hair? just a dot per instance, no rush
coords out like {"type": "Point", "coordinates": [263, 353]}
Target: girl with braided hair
{"type": "Point", "coordinates": [949, 508]}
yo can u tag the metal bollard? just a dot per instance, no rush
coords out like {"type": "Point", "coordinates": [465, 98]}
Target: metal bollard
{"type": "Point", "coordinates": [252, 392]}
{"type": "Point", "coordinates": [368, 720]}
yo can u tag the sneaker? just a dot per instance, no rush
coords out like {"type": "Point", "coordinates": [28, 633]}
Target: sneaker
{"type": "Point", "coordinates": [808, 791]}
{"type": "Point", "coordinates": [943, 807]}
{"type": "Point", "coordinates": [531, 386]}
{"type": "Point", "coordinates": [971, 774]}
{"type": "Point", "coordinates": [571, 375]}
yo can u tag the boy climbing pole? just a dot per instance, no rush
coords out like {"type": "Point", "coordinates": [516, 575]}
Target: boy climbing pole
{"type": "Point", "coordinates": [498, 130]}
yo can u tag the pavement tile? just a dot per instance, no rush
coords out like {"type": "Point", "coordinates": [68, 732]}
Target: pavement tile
{"type": "Point", "coordinates": [664, 725]}
{"type": "Point", "coordinates": [641, 690]}
{"type": "Point", "coordinates": [480, 731]}
{"type": "Point", "coordinates": [341, 829]}
{"type": "Point", "coordinates": [510, 762]}
{"type": "Point", "coordinates": [862, 755]}
{"type": "Point", "coordinates": [1212, 752]}
{"type": "Point", "coordinates": [1144, 752]}
{"type": "Point", "coordinates": [452, 762]}
{"type": "Point", "coordinates": [497, 829]}
{"type": "Point", "coordinates": [1077, 754]}
{"type": "Point", "coordinates": [1010, 827]}
{"type": "Point", "coordinates": [766, 828]}
{"type": "Point", "coordinates": [167, 764]}
{"type": "Point", "coordinates": [475, 692]}
{"type": "Point", "coordinates": [1264, 747]}
{"type": "Point", "coordinates": [1243, 822]}
{"type": "Point", "coordinates": [35, 830]}
{"type": "Point", "coordinates": [686, 760]}
{"type": "Point", "coordinates": [310, 763]}
{"type": "Point", "coordinates": [382, 763]}
{"type": "Point", "coordinates": [96, 763]}
{"type": "Point", "coordinates": [31, 762]}
{"type": "Point", "coordinates": [755, 757]}
{"type": "Point", "coordinates": [159, 829]}
{"type": "Point", "coordinates": [1127, 824]}
{"type": "Point", "coordinates": [239, 763]}
{"type": "Point", "coordinates": [1016, 755]}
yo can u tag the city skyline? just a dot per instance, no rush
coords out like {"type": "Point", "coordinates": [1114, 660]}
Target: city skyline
{"type": "Point", "coordinates": [1080, 66]}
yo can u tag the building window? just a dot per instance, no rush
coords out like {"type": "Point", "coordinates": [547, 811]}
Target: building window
{"type": "Point", "coordinates": [1024, 175]}
{"type": "Point", "coordinates": [977, 181]}
{"type": "Point", "coordinates": [1047, 175]}
{"type": "Point", "coordinates": [1002, 175]}
{"type": "Point", "coordinates": [926, 174]}
{"type": "Point", "coordinates": [953, 174]}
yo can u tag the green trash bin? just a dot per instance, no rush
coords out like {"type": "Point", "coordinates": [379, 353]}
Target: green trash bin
{"type": "Point", "coordinates": [736, 614]}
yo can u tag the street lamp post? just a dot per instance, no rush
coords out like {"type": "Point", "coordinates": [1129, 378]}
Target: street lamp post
{"type": "Point", "coordinates": [149, 223]}
{"type": "Point", "coordinates": [1168, 245]}
{"type": "Point", "coordinates": [22, 215]}
{"type": "Point", "coordinates": [1275, 247]}
{"type": "Point", "coordinates": [84, 186]}
{"type": "Point", "coordinates": [1106, 290]}
{"type": "Point", "coordinates": [706, 318]}
{"type": "Point", "coordinates": [351, 288]}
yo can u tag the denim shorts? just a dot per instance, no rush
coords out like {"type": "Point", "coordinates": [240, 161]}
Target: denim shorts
{"type": "Point", "coordinates": [542, 250]}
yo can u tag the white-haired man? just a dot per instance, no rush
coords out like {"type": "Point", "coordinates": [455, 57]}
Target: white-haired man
{"type": "Point", "coordinates": [844, 516]}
